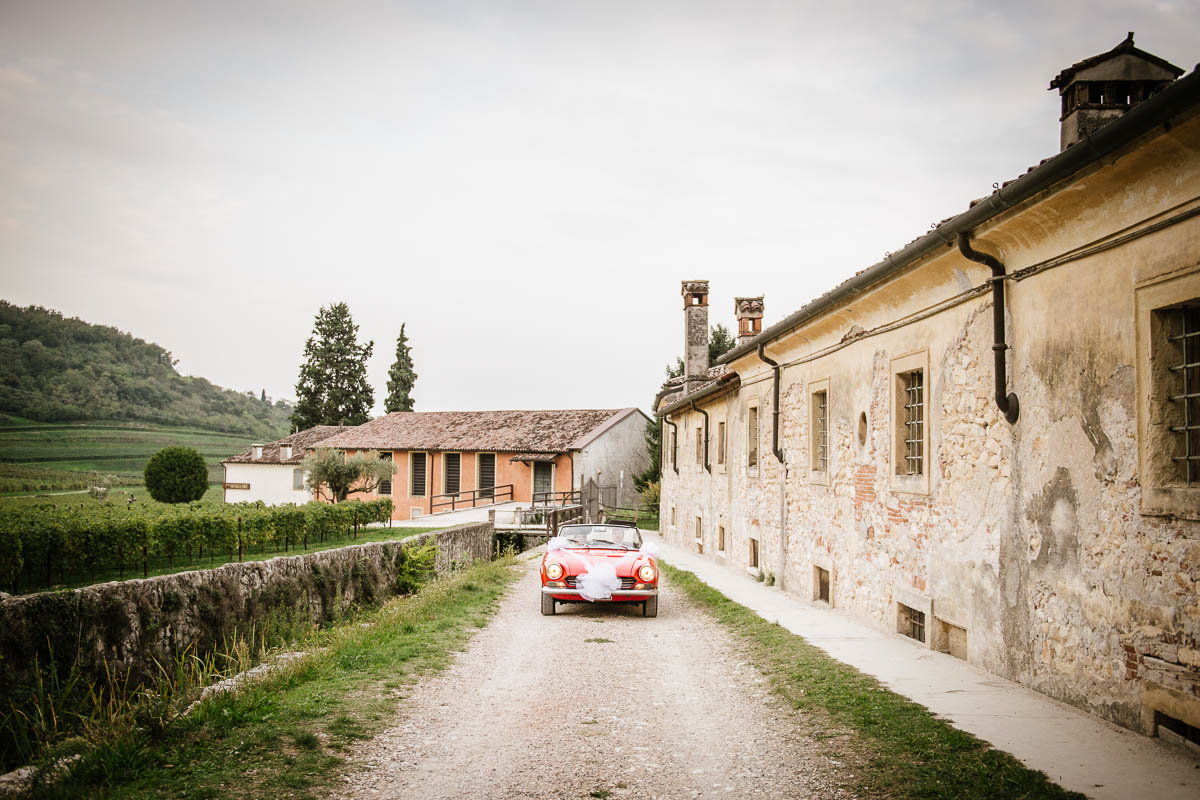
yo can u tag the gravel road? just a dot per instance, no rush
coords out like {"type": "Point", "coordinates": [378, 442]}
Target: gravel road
{"type": "Point", "coordinates": [595, 701]}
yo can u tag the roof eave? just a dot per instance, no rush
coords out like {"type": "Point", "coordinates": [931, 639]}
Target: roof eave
{"type": "Point", "coordinates": [1141, 119]}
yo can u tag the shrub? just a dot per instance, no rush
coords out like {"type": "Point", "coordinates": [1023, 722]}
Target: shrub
{"type": "Point", "coordinates": [176, 475]}
{"type": "Point", "coordinates": [651, 496]}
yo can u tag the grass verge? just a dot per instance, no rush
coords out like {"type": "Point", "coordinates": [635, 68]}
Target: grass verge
{"type": "Point", "coordinates": [289, 734]}
{"type": "Point", "coordinates": [899, 749]}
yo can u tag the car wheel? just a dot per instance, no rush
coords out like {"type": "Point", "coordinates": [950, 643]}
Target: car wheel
{"type": "Point", "coordinates": [547, 606]}
{"type": "Point", "coordinates": [650, 607]}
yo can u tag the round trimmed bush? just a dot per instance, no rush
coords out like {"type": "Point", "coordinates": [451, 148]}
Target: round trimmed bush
{"type": "Point", "coordinates": [176, 475]}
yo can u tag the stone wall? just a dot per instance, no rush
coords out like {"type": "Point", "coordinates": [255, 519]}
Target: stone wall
{"type": "Point", "coordinates": [128, 625]}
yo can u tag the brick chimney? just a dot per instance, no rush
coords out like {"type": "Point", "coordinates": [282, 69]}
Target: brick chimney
{"type": "Point", "coordinates": [749, 312]}
{"type": "Point", "coordinates": [695, 332]}
{"type": "Point", "coordinates": [1102, 88]}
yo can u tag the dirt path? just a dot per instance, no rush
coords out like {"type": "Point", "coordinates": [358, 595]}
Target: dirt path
{"type": "Point", "coordinates": [663, 709]}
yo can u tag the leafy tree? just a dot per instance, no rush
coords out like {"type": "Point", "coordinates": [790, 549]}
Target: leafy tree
{"type": "Point", "coordinates": [330, 473]}
{"type": "Point", "coordinates": [653, 439]}
{"type": "Point", "coordinates": [176, 475]}
{"type": "Point", "coordinates": [333, 388]}
{"type": "Point", "coordinates": [401, 378]}
{"type": "Point", "coordinates": [719, 343]}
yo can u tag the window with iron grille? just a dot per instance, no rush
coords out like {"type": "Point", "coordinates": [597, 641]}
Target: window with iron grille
{"type": "Point", "coordinates": [914, 423]}
{"type": "Point", "coordinates": [752, 437]}
{"type": "Point", "coordinates": [911, 622]}
{"type": "Point", "coordinates": [385, 487]}
{"type": "Point", "coordinates": [417, 473]}
{"type": "Point", "coordinates": [820, 431]}
{"type": "Point", "coordinates": [1182, 329]}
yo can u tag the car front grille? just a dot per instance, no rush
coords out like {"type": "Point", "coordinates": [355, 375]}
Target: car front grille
{"type": "Point", "coordinates": [626, 583]}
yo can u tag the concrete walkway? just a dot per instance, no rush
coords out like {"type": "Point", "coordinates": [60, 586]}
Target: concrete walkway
{"type": "Point", "coordinates": [448, 519]}
{"type": "Point", "coordinates": [1077, 750]}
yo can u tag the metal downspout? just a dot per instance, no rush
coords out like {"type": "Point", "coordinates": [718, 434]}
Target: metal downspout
{"type": "Point", "coordinates": [707, 466]}
{"type": "Point", "coordinates": [778, 451]}
{"type": "Point", "coordinates": [674, 443]}
{"type": "Point", "coordinates": [774, 402]}
{"type": "Point", "coordinates": [1005, 400]}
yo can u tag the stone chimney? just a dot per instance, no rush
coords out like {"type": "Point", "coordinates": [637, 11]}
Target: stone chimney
{"type": "Point", "coordinates": [695, 332]}
{"type": "Point", "coordinates": [285, 452]}
{"type": "Point", "coordinates": [1102, 88]}
{"type": "Point", "coordinates": [256, 449]}
{"type": "Point", "coordinates": [749, 312]}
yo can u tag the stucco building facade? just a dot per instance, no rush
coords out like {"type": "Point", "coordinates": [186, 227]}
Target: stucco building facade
{"type": "Point", "coordinates": [860, 453]}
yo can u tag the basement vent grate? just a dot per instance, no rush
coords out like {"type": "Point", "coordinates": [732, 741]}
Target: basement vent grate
{"type": "Point", "coordinates": [912, 623]}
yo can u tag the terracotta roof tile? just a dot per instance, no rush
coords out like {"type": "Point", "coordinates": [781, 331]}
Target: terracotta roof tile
{"type": "Point", "coordinates": [300, 442]}
{"type": "Point", "coordinates": [499, 431]}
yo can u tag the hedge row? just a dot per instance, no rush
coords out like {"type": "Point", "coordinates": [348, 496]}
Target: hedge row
{"type": "Point", "coordinates": [40, 543]}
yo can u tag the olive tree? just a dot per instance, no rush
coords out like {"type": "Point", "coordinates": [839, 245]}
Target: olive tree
{"type": "Point", "coordinates": [331, 474]}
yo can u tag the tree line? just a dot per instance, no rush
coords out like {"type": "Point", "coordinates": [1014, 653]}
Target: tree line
{"type": "Point", "coordinates": [59, 369]}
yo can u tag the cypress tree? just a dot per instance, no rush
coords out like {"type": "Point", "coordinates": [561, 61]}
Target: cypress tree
{"type": "Point", "coordinates": [401, 377]}
{"type": "Point", "coordinates": [333, 388]}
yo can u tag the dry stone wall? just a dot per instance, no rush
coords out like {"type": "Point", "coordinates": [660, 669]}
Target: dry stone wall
{"type": "Point", "coordinates": [126, 626]}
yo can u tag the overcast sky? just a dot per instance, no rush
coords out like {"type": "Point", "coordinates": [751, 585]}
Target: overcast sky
{"type": "Point", "coordinates": [523, 183]}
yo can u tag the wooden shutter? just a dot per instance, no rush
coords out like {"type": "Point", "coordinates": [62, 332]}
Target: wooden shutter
{"type": "Point", "coordinates": [487, 473]}
{"type": "Point", "coordinates": [452, 463]}
{"type": "Point", "coordinates": [385, 487]}
{"type": "Point", "coordinates": [417, 462]}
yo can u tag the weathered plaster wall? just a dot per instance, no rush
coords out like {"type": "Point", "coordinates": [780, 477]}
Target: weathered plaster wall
{"type": "Point", "coordinates": [130, 624]}
{"type": "Point", "coordinates": [1033, 537]}
{"type": "Point", "coordinates": [614, 457]}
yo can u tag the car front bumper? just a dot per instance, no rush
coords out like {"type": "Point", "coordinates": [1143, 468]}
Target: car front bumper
{"type": "Point", "coordinates": [618, 594]}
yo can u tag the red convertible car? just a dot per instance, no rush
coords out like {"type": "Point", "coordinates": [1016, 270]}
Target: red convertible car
{"type": "Point", "coordinates": [599, 563]}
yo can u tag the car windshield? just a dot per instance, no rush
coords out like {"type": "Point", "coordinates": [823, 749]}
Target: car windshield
{"type": "Point", "coordinates": [618, 536]}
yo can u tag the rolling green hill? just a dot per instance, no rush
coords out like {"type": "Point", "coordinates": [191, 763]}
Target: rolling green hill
{"type": "Point", "coordinates": [77, 398]}
{"type": "Point", "coordinates": [58, 369]}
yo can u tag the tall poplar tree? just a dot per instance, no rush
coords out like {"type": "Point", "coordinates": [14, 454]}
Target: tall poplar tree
{"type": "Point", "coordinates": [401, 377]}
{"type": "Point", "coordinates": [333, 388]}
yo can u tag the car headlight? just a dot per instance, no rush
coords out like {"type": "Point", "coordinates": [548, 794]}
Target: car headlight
{"type": "Point", "coordinates": [646, 573]}
{"type": "Point", "coordinates": [554, 571]}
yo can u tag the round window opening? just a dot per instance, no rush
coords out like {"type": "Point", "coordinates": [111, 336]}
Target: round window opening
{"type": "Point", "coordinates": [862, 428]}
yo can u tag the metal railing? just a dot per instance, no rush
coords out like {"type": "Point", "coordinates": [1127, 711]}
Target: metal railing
{"type": "Point", "coordinates": [564, 498]}
{"type": "Point", "coordinates": [471, 498]}
{"type": "Point", "coordinates": [544, 521]}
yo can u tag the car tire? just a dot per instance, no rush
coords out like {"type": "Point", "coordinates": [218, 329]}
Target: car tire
{"type": "Point", "coordinates": [547, 606]}
{"type": "Point", "coordinates": [650, 607]}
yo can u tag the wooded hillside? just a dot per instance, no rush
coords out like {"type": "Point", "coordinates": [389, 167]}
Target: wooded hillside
{"type": "Point", "coordinates": [57, 369]}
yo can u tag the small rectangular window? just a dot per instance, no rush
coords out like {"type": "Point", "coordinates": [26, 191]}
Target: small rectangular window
{"type": "Point", "coordinates": [752, 437]}
{"type": "Point", "coordinates": [721, 539]}
{"type": "Point", "coordinates": [754, 553]}
{"type": "Point", "coordinates": [699, 446]}
{"type": "Point", "coordinates": [297, 479]}
{"type": "Point", "coordinates": [721, 442]}
{"type": "Point", "coordinates": [699, 535]}
{"type": "Point", "coordinates": [385, 486]}
{"type": "Point", "coordinates": [674, 444]}
{"type": "Point", "coordinates": [672, 516]}
{"type": "Point", "coordinates": [452, 469]}
{"type": "Point", "coordinates": [486, 474]}
{"type": "Point", "coordinates": [1182, 328]}
{"type": "Point", "coordinates": [821, 584]}
{"type": "Point", "coordinates": [417, 474]}
{"type": "Point", "coordinates": [911, 622]}
{"type": "Point", "coordinates": [911, 431]}
{"type": "Point", "coordinates": [820, 431]}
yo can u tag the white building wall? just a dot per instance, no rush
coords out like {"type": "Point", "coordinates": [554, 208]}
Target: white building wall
{"type": "Point", "coordinates": [269, 483]}
{"type": "Point", "coordinates": [614, 457]}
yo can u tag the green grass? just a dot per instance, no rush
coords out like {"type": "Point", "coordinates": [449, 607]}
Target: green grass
{"type": "Point", "coordinates": [290, 734]}
{"type": "Point", "coordinates": [116, 448]}
{"type": "Point", "coordinates": [889, 745]}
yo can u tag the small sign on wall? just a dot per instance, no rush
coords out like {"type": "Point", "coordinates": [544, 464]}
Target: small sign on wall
{"type": "Point", "coordinates": [236, 485]}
